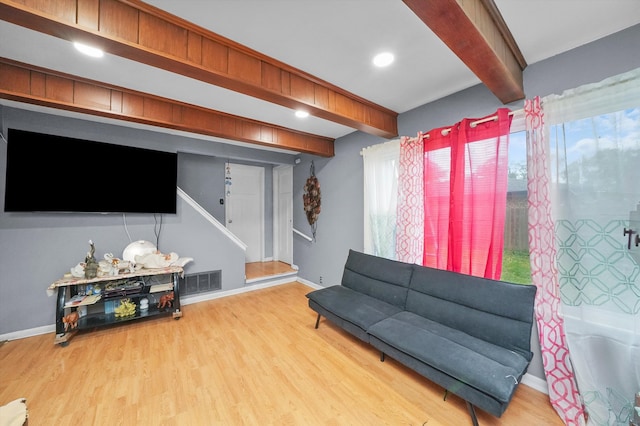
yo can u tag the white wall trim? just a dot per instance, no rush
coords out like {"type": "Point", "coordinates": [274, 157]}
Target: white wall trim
{"type": "Point", "coordinates": [535, 383]}
{"type": "Point", "coordinates": [309, 283]}
{"type": "Point", "coordinates": [303, 235]}
{"type": "Point", "coordinates": [188, 300]}
{"type": "Point", "coordinates": [279, 215]}
{"type": "Point", "coordinates": [28, 333]}
{"type": "Point", "coordinates": [197, 207]}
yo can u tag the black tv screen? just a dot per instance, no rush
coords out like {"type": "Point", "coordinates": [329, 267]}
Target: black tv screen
{"type": "Point", "coordinates": [48, 173]}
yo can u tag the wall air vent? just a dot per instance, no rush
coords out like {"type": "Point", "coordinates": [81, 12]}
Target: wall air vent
{"type": "Point", "coordinates": [202, 282]}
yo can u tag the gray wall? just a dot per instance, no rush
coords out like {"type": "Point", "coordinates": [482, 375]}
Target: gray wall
{"type": "Point", "coordinates": [202, 177]}
{"type": "Point", "coordinates": [37, 248]}
{"type": "Point", "coordinates": [341, 178]}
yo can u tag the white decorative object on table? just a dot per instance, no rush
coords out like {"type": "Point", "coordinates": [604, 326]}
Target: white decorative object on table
{"type": "Point", "coordinates": [144, 304]}
{"type": "Point", "coordinates": [138, 248]}
{"type": "Point", "coordinates": [112, 266]}
{"type": "Point", "coordinates": [78, 270]}
{"type": "Point", "coordinates": [159, 260]}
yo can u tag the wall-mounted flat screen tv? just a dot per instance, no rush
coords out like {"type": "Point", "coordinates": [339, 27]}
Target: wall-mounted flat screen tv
{"type": "Point", "coordinates": [48, 173]}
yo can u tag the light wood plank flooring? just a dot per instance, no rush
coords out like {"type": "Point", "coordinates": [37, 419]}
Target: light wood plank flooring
{"type": "Point", "coordinates": [264, 269]}
{"type": "Point", "coordinates": [248, 359]}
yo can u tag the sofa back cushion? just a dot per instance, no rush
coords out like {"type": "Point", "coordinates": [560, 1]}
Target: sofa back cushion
{"type": "Point", "coordinates": [384, 279]}
{"type": "Point", "coordinates": [494, 311]}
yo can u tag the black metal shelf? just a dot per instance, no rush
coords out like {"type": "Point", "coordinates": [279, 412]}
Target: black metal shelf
{"type": "Point", "coordinates": [95, 313]}
{"type": "Point", "coordinates": [90, 321]}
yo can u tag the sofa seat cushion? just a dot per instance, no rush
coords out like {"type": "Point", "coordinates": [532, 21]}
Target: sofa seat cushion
{"type": "Point", "coordinates": [489, 368]}
{"type": "Point", "coordinates": [357, 308]}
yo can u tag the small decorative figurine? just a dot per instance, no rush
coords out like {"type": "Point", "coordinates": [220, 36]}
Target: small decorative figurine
{"type": "Point", "coordinates": [71, 320]}
{"type": "Point", "coordinates": [78, 270]}
{"type": "Point", "coordinates": [125, 309]}
{"type": "Point", "coordinates": [144, 304]}
{"type": "Point", "coordinates": [112, 266]}
{"type": "Point", "coordinates": [91, 266]}
{"type": "Point", "coordinates": [166, 300]}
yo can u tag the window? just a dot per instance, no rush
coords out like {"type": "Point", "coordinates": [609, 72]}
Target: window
{"type": "Point", "coordinates": [515, 259]}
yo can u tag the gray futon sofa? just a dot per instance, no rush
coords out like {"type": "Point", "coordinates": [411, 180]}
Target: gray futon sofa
{"type": "Point", "coordinates": [469, 335]}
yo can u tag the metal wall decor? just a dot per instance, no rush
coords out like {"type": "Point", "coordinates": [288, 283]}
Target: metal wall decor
{"type": "Point", "coordinates": [311, 198]}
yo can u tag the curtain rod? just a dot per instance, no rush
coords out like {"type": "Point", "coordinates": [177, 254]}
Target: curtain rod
{"type": "Point", "coordinates": [475, 123]}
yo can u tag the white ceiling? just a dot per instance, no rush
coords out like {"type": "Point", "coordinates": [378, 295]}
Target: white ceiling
{"type": "Point", "coordinates": [334, 40]}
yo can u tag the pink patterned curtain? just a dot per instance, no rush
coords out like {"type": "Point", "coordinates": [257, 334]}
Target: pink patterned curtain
{"type": "Point", "coordinates": [410, 213]}
{"type": "Point", "coordinates": [465, 181]}
{"type": "Point", "coordinates": [563, 391]}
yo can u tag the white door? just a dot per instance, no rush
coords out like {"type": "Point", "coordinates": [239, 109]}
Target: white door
{"type": "Point", "coordinates": [245, 207]}
{"type": "Point", "coordinates": [283, 214]}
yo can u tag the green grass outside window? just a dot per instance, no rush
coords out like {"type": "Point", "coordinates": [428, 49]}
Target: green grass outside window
{"type": "Point", "coordinates": [516, 267]}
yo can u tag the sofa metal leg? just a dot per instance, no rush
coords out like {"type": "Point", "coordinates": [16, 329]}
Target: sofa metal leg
{"type": "Point", "coordinates": [472, 412]}
{"type": "Point", "coordinates": [381, 356]}
{"type": "Point", "coordinates": [318, 321]}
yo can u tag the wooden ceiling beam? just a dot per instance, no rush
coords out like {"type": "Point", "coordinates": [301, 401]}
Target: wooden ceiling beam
{"type": "Point", "coordinates": [34, 85]}
{"type": "Point", "coordinates": [140, 32]}
{"type": "Point", "coordinates": [475, 31]}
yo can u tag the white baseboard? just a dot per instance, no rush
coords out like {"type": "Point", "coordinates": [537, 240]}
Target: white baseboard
{"type": "Point", "coordinates": [309, 283]}
{"type": "Point", "coordinates": [28, 333]}
{"type": "Point", "coordinates": [271, 278]}
{"type": "Point", "coordinates": [535, 383]}
{"type": "Point", "coordinates": [188, 300]}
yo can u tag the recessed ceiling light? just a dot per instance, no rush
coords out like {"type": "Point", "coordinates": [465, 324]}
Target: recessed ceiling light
{"type": "Point", "coordinates": [383, 59]}
{"type": "Point", "coordinates": [88, 50]}
{"type": "Point", "coordinates": [302, 114]}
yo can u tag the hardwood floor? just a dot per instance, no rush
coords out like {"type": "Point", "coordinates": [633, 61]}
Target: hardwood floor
{"type": "Point", "coordinates": [248, 359]}
{"type": "Point", "coordinates": [263, 269]}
